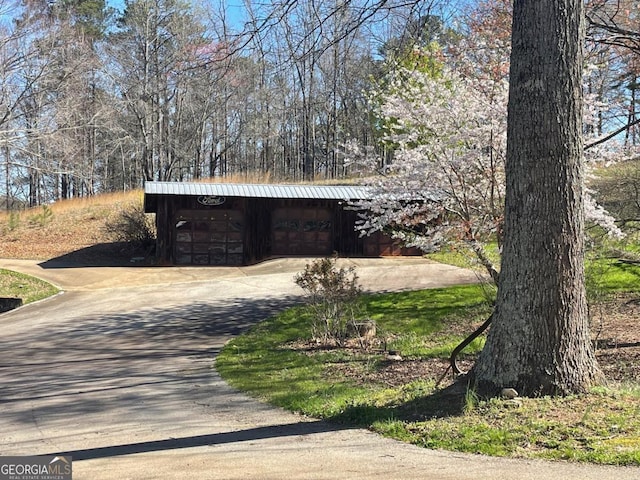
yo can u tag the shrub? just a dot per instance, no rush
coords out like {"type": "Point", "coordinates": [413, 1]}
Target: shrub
{"type": "Point", "coordinates": [133, 226]}
{"type": "Point", "coordinates": [333, 295]}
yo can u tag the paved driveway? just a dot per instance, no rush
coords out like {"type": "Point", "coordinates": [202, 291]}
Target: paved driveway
{"type": "Point", "coordinates": [118, 371]}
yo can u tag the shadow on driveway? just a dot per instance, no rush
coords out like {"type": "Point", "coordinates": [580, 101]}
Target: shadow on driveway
{"type": "Point", "coordinates": [258, 433]}
{"type": "Point", "coordinates": [146, 361]}
{"type": "Point", "coordinates": [114, 254]}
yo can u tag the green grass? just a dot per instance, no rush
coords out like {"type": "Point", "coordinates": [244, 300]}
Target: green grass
{"type": "Point", "coordinates": [610, 275]}
{"type": "Point", "coordinates": [418, 324]}
{"type": "Point", "coordinates": [601, 427]}
{"type": "Point", "coordinates": [18, 285]}
{"type": "Point", "coordinates": [465, 258]}
{"type": "Point", "coordinates": [261, 363]}
{"type": "Point", "coordinates": [605, 274]}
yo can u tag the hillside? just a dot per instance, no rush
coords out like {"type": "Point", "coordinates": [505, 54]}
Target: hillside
{"type": "Point", "coordinates": [75, 228]}
{"type": "Point", "coordinates": [69, 228]}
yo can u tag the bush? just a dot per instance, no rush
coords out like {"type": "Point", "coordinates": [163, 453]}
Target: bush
{"type": "Point", "coordinates": [333, 295]}
{"type": "Point", "coordinates": [133, 226]}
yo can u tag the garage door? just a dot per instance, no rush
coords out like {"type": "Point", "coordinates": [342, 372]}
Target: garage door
{"type": "Point", "coordinates": [209, 237]}
{"type": "Point", "coordinates": [301, 231]}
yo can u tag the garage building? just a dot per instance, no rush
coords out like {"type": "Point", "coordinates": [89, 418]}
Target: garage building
{"type": "Point", "coordinates": [240, 224]}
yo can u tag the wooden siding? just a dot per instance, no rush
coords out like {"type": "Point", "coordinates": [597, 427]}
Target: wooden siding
{"type": "Point", "coordinates": [241, 231]}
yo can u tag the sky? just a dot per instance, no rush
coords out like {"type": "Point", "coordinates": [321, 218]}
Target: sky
{"type": "Point", "coordinates": [235, 10]}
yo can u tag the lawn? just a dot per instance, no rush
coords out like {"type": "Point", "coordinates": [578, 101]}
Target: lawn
{"type": "Point", "coordinates": [30, 289]}
{"type": "Point", "coordinates": [409, 395]}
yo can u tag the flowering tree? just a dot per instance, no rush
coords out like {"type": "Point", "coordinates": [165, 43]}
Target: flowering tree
{"type": "Point", "coordinates": [446, 134]}
{"type": "Point", "coordinates": [446, 180]}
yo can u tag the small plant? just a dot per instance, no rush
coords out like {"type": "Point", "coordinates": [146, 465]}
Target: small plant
{"type": "Point", "coordinates": [333, 297]}
{"type": "Point", "coordinates": [44, 217]}
{"type": "Point", "coordinates": [471, 401]}
{"type": "Point", "coordinates": [13, 221]}
{"type": "Point", "coordinates": [133, 226]}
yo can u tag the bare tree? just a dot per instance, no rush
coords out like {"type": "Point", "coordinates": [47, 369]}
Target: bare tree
{"type": "Point", "coordinates": [156, 52]}
{"type": "Point", "coordinates": [21, 68]}
{"type": "Point", "coordinates": [613, 26]}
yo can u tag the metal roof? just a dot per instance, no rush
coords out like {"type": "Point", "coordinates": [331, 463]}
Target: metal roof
{"type": "Point", "coordinates": [321, 192]}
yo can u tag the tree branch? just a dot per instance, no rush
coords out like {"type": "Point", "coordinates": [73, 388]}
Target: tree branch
{"type": "Point", "coordinates": [609, 136]}
{"type": "Point", "coordinates": [456, 351]}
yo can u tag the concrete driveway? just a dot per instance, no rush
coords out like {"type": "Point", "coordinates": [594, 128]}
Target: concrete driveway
{"type": "Point", "coordinates": [118, 372]}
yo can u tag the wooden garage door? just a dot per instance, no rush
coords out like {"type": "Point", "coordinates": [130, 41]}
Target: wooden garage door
{"type": "Point", "coordinates": [209, 237]}
{"type": "Point", "coordinates": [301, 231]}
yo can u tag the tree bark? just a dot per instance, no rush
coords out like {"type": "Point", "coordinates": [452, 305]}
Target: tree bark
{"type": "Point", "coordinates": [539, 342]}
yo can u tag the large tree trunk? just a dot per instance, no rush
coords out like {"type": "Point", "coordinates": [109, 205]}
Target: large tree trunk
{"type": "Point", "coordinates": [539, 342]}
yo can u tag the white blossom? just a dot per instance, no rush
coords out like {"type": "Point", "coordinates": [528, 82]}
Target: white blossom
{"type": "Point", "coordinates": [595, 213]}
{"type": "Point", "coordinates": [446, 181]}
